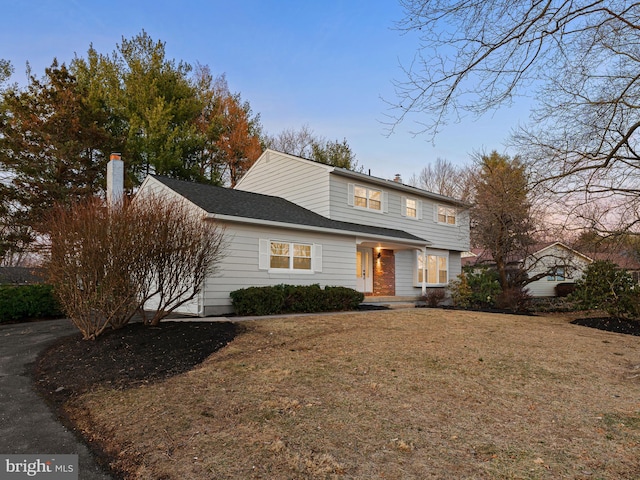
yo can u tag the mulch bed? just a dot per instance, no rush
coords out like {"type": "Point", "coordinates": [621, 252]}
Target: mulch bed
{"type": "Point", "coordinates": [617, 325]}
{"type": "Point", "coordinates": [123, 358]}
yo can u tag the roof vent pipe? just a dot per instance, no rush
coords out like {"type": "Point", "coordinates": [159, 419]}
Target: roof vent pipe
{"type": "Point", "coordinates": [115, 179]}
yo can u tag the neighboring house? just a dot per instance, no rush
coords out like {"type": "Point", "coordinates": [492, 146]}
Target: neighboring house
{"type": "Point", "coordinates": [21, 275]}
{"type": "Point", "coordinates": [292, 220]}
{"type": "Point", "coordinates": [549, 263]}
{"type": "Point", "coordinates": [554, 263]}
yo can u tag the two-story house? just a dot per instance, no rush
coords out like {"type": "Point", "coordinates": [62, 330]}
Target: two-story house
{"type": "Point", "coordinates": [292, 220]}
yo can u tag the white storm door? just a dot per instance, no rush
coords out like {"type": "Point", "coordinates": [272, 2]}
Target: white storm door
{"type": "Point", "coordinates": [364, 269]}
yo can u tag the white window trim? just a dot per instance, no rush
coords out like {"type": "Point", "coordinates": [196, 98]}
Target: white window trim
{"type": "Point", "coordinates": [264, 257]}
{"type": "Point", "coordinates": [384, 198]}
{"type": "Point", "coordinates": [425, 283]}
{"type": "Point", "coordinates": [403, 207]}
{"type": "Point", "coordinates": [554, 277]}
{"type": "Point", "coordinates": [448, 207]}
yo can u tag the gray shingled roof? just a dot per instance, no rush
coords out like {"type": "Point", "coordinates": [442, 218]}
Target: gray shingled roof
{"type": "Point", "coordinates": [238, 203]}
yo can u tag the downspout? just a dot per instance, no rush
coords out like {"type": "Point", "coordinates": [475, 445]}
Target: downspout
{"type": "Point", "coordinates": [201, 298]}
{"type": "Point", "coordinates": [424, 271]}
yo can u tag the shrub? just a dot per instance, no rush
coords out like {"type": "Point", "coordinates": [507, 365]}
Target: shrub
{"type": "Point", "coordinates": [303, 298]}
{"type": "Point", "coordinates": [606, 287]}
{"type": "Point", "coordinates": [434, 297]}
{"type": "Point", "coordinates": [27, 301]}
{"type": "Point", "coordinates": [280, 299]}
{"type": "Point", "coordinates": [515, 299]}
{"type": "Point", "coordinates": [341, 299]}
{"type": "Point", "coordinates": [476, 289]}
{"type": "Point", "coordinates": [258, 300]}
{"type": "Point", "coordinates": [460, 291]}
{"type": "Point", "coordinates": [106, 263]}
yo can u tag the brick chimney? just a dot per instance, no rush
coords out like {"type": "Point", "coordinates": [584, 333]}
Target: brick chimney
{"type": "Point", "coordinates": [398, 178]}
{"type": "Point", "coordinates": [115, 179]}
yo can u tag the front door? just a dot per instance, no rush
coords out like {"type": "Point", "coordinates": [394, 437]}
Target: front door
{"type": "Point", "coordinates": [364, 269]}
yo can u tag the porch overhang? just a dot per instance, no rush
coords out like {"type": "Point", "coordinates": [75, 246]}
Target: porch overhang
{"type": "Point", "coordinates": [391, 243]}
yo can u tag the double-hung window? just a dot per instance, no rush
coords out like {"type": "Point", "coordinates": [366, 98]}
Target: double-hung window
{"type": "Point", "coordinates": [557, 275]}
{"type": "Point", "coordinates": [367, 198]}
{"type": "Point", "coordinates": [411, 207]}
{"type": "Point", "coordinates": [433, 268]}
{"type": "Point", "coordinates": [294, 257]}
{"type": "Point", "coordinates": [446, 215]}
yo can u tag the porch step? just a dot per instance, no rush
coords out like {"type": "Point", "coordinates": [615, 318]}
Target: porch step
{"type": "Point", "coordinates": [391, 302]}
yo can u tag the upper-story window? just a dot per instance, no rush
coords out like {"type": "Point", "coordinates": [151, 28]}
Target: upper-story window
{"type": "Point", "coordinates": [366, 197]}
{"type": "Point", "coordinates": [446, 215]}
{"type": "Point", "coordinates": [411, 207]}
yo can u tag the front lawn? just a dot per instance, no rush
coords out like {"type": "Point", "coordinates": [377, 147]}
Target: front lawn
{"type": "Point", "coordinates": [421, 393]}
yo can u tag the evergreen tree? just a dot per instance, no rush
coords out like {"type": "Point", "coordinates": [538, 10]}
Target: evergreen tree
{"type": "Point", "coordinates": [501, 220]}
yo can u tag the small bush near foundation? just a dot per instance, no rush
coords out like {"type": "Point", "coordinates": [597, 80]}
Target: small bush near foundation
{"type": "Point", "coordinates": [258, 300]}
{"type": "Point", "coordinates": [280, 299]}
{"type": "Point", "coordinates": [27, 301]}
{"type": "Point", "coordinates": [434, 297]}
{"type": "Point", "coordinates": [475, 289]}
{"type": "Point", "coordinates": [341, 299]}
{"type": "Point", "coordinates": [515, 299]}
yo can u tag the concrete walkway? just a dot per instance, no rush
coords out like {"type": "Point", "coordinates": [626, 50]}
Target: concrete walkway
{"type": "Point", "coordinates": [27, 426]}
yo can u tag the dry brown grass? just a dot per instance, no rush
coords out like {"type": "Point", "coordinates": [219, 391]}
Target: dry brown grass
{"type": "Point", "coordinates": [401, 394]}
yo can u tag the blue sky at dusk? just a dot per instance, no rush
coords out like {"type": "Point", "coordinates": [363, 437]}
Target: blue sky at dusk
{"type": "Point", "coordinates": [321, 63]}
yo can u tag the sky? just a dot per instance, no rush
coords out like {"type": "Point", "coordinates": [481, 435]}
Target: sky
{"type": "Point", "coordinates": [327, 64]}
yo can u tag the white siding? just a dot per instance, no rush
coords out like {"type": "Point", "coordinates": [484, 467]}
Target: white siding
{"type": "Point", "coordinates": [191, 307]}
{"type": "Point", "coordinates": [154, 187]}
{"type": "Point", "coordinates": [239, 268]}
{"type": "Point", "coordinates": [300, 181]}
{"type": "Point", "coordinates": [455, 265]}
{"type": "Point", "coordinates": [405, 267]}
{"type": "Point", "coordinates": [444, 237]}
{"type": "Point", "coordinates": [544, 288]}
{"type": "Point", "coordinates": [555, 255]}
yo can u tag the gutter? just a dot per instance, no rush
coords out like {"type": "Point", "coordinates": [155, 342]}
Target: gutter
{"type": "Point", "coordinates": [343, 172]}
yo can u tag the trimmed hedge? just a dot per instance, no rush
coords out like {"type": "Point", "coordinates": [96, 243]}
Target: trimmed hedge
{"type": "Point", "coordinates": [22, 302]}
{"type": "Point", "coordinates": [280, 299]}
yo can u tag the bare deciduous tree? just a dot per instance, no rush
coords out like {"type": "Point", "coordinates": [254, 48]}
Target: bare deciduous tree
{"type": "Point", "coordinates": [306, 144]}
{"type": "Point", "coordinates": [580, 59]}
{"type": "Point", "coordinates": [294, 142]}
{"type": "Point", "coordinates": [91, 265]}
{"type": "Point", "coordinates": [106, 264]}
{"type": "Point", "coordinates": [183, 249]}
{"type": "Point", "coordinates": [445, 178]}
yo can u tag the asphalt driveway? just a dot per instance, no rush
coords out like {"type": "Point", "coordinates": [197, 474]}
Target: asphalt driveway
{"type": "Point", "coordinates": [27, 426]}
